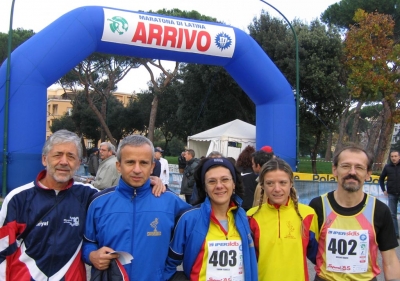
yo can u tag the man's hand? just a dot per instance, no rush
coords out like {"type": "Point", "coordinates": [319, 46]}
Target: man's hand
{"type": "Point", "coordinates": [385, 193]}
{"type": "Point", "coordinates": [101, 258]}
{"type": "Point", "coordinates": [158, 186]}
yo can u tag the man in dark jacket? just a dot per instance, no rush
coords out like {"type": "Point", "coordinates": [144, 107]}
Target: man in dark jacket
{"type": "Point", "coordinates": [94, 161]}
{"type": "Point", "coordinates": [188, 179]}
{"type": "Point", "coordinates": [182, 162]}
{"type": "Point", "coordinates": [391, 172]}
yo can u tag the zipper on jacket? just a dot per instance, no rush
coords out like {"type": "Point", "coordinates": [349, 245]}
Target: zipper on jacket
{"type": "Point", "coordinates": [279, 224]}
{"type": "Point", "coordinates": [134, 193]}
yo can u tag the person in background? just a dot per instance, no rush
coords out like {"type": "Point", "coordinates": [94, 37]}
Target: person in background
{"type": "Point", "coordinates": [259, 158]}
{"type": "Point", "coordinates": [285, 231]}
{"type": "Point", "coordinates": [354, 225]}
{"type": "Point", "coordinates": [107, 174]}
{"type": "Point", "coordinates": [188, 181]}
{"type": "Point", "coordinates": [157, 168]}
{"type": "Point", "coordinates": [164, 175]}
{"type": "Point", "coordinates": [244, 165]}
{"type": "Point", "coordinates": [213, 240]}
{"type": "Point", "coordinates": [42, 222]}
{"type": "Point", "coordinates": [391, 172]}
{"type": "Point", "coordinates": [129, 218]}
{"type": "Point", "coordinates": [94, 161]}
{"type": "Point", "coordinates": [181, 162]}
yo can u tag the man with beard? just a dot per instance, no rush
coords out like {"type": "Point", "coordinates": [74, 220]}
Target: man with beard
{"type": "Point", "coordinates": [42, 222]}
{"type": "Point", "coordinates": [354, 225]}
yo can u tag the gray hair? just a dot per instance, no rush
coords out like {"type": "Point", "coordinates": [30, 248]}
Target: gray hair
{"type": "Point", "coordinates": [62, 136]}
{"type": "Point", "coordinates": [215, 154]}
{"type": "Point", "coordinates": [110, 146]}
{"type": "Point", "coordinates": [135, 140]}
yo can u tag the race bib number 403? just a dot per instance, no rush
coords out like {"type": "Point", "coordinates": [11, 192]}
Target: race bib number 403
{"type": "Point", "coordinates": [225, 261]}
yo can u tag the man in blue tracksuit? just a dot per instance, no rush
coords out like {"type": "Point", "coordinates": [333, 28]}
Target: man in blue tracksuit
{"type": "Point", "coordinates": [129, 218]}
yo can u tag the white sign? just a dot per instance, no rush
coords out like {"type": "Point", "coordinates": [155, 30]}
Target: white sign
{"type": "Point", "coordinates": [155, 31]}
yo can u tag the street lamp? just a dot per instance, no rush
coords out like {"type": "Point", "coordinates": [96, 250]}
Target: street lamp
{"type": "Point", "coordinates": [297, 81]}
{"type": "Point", "coordinates": [6, 103]}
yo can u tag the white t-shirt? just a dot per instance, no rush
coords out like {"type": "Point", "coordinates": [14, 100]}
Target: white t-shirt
{"type": "Point", "coordinates": [164, 176]}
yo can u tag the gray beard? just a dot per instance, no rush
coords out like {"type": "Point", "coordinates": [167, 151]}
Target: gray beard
{"type": "Point", "coordinates": [351, 187]}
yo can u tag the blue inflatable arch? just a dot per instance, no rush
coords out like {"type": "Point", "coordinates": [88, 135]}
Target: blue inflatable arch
{"type": "Point", "coordinates": [51, 53]}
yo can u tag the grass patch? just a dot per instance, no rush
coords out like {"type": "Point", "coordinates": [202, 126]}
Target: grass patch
{"type": "Point", "coordinates": [322, 166]}
{"type": "Point", "coordinates": [172, 159]}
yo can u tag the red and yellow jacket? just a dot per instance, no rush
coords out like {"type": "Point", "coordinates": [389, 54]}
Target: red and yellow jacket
{"type": "Point", "coordinates": [281, 250]}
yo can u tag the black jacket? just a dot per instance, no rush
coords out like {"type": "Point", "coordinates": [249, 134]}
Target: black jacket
{"type": "Point", "coordinates": [115, 272]}
{"type": "Point", "coordinates": [392, 174]}
{"type": "Point", "coordinates": [249, 183]}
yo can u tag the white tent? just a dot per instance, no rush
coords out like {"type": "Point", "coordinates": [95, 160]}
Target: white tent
{"type": "Point", "coordinates": [222, 138]}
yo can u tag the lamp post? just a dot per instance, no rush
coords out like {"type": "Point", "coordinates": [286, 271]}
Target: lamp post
{"type": "Point", "coordinates": [6, 103]}
{"type": "Point", "coordinates": [297, 81]}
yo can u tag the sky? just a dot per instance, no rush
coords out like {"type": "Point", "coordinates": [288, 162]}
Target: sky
{"type": "Point", "coordinates": [37, 14]}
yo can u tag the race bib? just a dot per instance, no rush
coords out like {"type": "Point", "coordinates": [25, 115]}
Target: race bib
{"type": "Point", "coordinates": [225, 261]}
{"type": "Point", "coordinates": [347, 250]}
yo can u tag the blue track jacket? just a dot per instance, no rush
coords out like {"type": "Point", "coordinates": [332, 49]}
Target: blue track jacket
{"type": "Point", "coordinates": [133, 220]}
{"type": "Point", "coordinates": [191, 231]}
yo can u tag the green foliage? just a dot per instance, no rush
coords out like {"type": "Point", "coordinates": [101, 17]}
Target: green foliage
{"type": "Point", "coordinates": [321, 93]}
{"type": "Point", "coordinates": [65, 122]}
{"type": "Point", "coordinates": [19, 36]}
{"type": "Point", "coordinates": [185, 14]}
{"type": "Point", "coordinates": [209, 97]}
{"type": "Point", "coordinates": [341, 13]}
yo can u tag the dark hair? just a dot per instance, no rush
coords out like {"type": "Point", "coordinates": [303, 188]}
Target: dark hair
{"type": "Point", "coordinates": [191, 152]}
{"type": "Point", "coordinates": [353, 148]}
{"type": "Point", "coordinates": [200, 184]}
{"type": "Point", "coordinates": [261, 157]}
{"type": "Point", "coordinates": [244, 159]}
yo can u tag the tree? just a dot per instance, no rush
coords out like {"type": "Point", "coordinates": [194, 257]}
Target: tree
{"type": "Point", "coordinates": [208, 97]}
{"type": "Point", "coordinates": [342, 13]}
{"type": "Point", "coordinates": [98, 76]}
{"type": "Point", "coordinates": [65, 122]}
{"type": "Point", "coordinates": [19, 36]}
{"type": "Point", "coordinates": [372, 58]}
{"type": "Point", "coordinates": [320, 51]}
{"type": "Point", "coordinates": [160, 85]}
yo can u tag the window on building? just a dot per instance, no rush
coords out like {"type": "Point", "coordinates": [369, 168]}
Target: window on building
{"type": "Point", "coordinates": [69, 109]}
{"type": "Point", "coordinates": [55, 109]}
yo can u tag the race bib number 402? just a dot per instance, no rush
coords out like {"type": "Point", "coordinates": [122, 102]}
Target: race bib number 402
{"type": "Point", "coordinates": [347, 250]}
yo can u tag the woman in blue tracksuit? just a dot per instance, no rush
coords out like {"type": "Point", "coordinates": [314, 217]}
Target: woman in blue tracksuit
{"type": "Point", "coordinates": [213, 239]}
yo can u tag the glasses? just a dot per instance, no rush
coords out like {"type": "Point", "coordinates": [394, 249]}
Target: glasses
{"type": "Point", "coordinates": [273, 184]}
{"type": "Point", "coordinates": [348, 167]}
{"type": "Point", "coordinates": [214, 182]}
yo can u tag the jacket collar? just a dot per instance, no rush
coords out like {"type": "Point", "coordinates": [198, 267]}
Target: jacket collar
{"type": "Point", "coordinates": [130, 191]}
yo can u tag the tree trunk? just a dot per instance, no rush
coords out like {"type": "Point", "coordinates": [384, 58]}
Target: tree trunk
{"type": "Point", "coordinates": [374, 134]}
{"type": "Point", "coordinates": [344, 119]}
{"type": "Point", "coordinates": [84, 151]}
{"type": "Point", "coordinates": [153, 115]}
{"type": "Point", "coordinates": [354, 132]}
{"type": "Point", "coordinates": [385, 137]}
{"type": "Point", "coordinates": [100, 117]}
{"type": "Point", "coordinates": [328, 152]}
{"type": "Point", "coordinates": [314, 152]}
